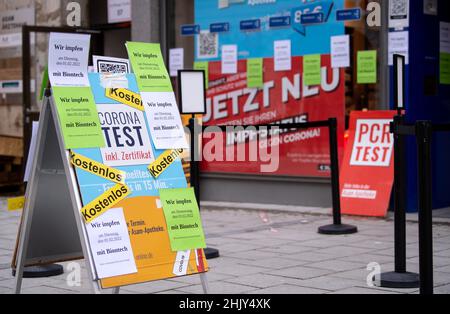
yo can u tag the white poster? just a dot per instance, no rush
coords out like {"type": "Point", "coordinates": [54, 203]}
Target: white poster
{"type": "Point", "coordinates": [164, 119]}
{"type": "Point", "coordinates": [176, 61]}
{"type": "Point", "coordinates": [398, 14]}
{"type": "Point", "coordinates": [340, 51]}
{"type": "Point", "coordinates": [398, 44]}
{"type": "Point", "coordinates": [110, 244]}
{"type": "Point", "coordinates": [181, 263]}
{"type": "Point", "coordinates": [68, 59]}
{"type": "Point", "coordinates": [444, 37]}
{"type": "Point", "coordinates": [119, 11]}
{"type": "Point", "coordinates": [229, 59]}
{"type": "Point", "coordinates": [126, 136]}
{"type": "Point", "coordinates": [430, 7]}
{"type": "Point", "coordinates": [111, 65]}
{"type": "Point", "coordinates": [282, 55]}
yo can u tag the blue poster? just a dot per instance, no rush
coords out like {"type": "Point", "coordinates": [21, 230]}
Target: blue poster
{"type": "Point", "coordinates": [138, 177]}
{"type": "Point", "coordinates": [257, 41]}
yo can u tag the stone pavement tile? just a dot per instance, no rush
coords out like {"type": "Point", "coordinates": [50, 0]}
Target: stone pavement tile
{"type": "Point", "coordinates": [238, 270]}
{"type": "Point", "coordinates": [236, 246]}
{"type": "Point", "coordinates": [7, 244]}
{"type": "Point", "coordinates": [251, 255]}
{"type": "Point", "coordinates": [156, 286]}
{"type": "Point", "coordinates": [301, 272]}
{"type": "Point", "coordinates": [287, 289]}
{"type": "Point", "coordinates": [438, 261]}
{"type": "Point", "coordinates": [342, 250]}
{"type": "Point", "coordinates": [218, 288]}
{"type": "Point", "coordinates": [445, 269]}
{"type": "Point", "coordinates": [286, 233]}
{"type": "Point", "coordinates": [274, 262]}
{"type": "Point", "coordinates": [359, 274]}
{"type": "Point", "coordinates": [46, 290]}
{"type": "Point", "coordinates": [360, 290]}
{"type": "Point", "coordinates": [261, 280]}
{"type": "Point", "coordinates": [5, 259]}
{"type": "Point", "coordinates": [337, 265]}
{"type": "Point", "coordinates": [410, 252]}
{"type": "Point", "coordinates": [312, 256]}
{"type": "Point", "coordinates": [195, 279]}
{"type": "Point", "coordinates": [445, 253]}
{"type": "Point", "coordinates": [7, 252]}
{"type": "Point", "coordinates": [318, 243]}
{"type": "Point", "coordinates": [397, 290]}
{"type": "Point", "coordinates": [26, 282]}
{"type": "Point", "coordinates": [373, 244]}
{"type": "Point", "coordinates": [442, 289]}
{"type": "Point", "coordinates": [172, 292]}
{"type": "Point", "coordinates": [286, 249]}
{"type": "Point", "coordinates": [368, 258]}
{"type": "Point", "coordinates": [329, 283]}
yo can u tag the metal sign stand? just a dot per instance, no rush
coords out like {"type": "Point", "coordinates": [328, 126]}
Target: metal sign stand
{"type": "Point", "coordinates": [52, 228]}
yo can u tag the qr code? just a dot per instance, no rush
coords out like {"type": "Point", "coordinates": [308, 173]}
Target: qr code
{"type": "Point", "coordinates": [114, 68]}
{"type": "Point", "coordinates": [207, 45]}
{"type": "Point", "coordinates": [399, 8]}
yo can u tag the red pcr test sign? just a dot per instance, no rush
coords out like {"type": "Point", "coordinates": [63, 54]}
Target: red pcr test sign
{"type": "Point", "coordinates": [367, 172]}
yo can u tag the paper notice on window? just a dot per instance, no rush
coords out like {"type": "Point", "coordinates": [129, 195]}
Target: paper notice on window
{"type": "Point", "coordinates": [164, 120]}
{"type": "Point", "coordinates": [444, 37]}
{"type": "Point", "coordinates": [68, 59]}
{"type": "Point", "coordinates": [111, 65]}
{"type": "Point", "coordinates": [398, 44]}
{"type": "Point", "coordinates": [282, 55]}
{"type": "Point", "coordinates": [340, 51]}
{"type": "Point", "coordinates": [176, 61]}
{"type": "Point", "coordinates": [119, 11]}
{"type": "Point", "coordinates": [110, 244]}
{"type": "Point", "coordinates": [229, 59]}
{"type": "Point", "coordinates": [398, 14]}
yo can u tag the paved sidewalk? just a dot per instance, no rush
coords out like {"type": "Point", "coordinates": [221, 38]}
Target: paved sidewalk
{"type": "Point", "coordinates": [268, 252]}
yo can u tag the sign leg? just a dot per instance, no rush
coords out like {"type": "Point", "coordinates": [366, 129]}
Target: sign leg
{"type": "Point", "coordinates": [204, 283]}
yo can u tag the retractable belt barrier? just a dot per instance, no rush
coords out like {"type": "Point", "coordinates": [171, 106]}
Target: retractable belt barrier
{"type": "Point", "coordinates": [423, 131]}
{"type": "Point", "coordinates": [337, 228]}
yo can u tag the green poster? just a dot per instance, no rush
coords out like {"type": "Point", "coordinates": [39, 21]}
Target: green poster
{"type": "Point", "coordinates": [205, 67]}
{"type": "Point", "coordinates": [311, 70]}
{"type": "Point", "coordinates": [148, 66]}
{"type": "Point", "coordinates": [78, 117]}
{"type": "Point", "coordinates": [255, 73]}
{"type": "Point", "coordinates": [444, 68]}
{"type": "Point", "coordinates": [367, 67]}
{"type": "Point", "coordinates": [183, 219]}
{"type": "Point", "coordinates": [44, 83]}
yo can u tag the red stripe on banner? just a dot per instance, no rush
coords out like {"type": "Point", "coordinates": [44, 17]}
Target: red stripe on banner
{"type": "Point", "coordinates": [200, 265]}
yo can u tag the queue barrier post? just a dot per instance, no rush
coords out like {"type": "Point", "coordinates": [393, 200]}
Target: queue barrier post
{"type": "Point", "coordinates": [400, 277]}
{"type": "Point", "coordinates": [337, 228]}
{"type": "Point", "coordinates": [424, 134]}
{"type": "Point", "coordinates": [210, 253]}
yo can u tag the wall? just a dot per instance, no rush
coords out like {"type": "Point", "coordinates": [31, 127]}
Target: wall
{"type": "Point", "coordinates": [424, 104]}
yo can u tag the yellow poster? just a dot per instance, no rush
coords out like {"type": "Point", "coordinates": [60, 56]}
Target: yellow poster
{"type": "Point", "coordinates": [151, 246]}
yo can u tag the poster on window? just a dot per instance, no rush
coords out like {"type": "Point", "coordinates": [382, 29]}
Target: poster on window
{"type": "Point", "coordinates": [283, 97]}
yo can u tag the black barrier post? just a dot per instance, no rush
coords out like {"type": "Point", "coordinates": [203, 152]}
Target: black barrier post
{"type": "Point", "coordinates": [210, 253]}
{"type": "Point", "coordinates": [337, 228]}
{"type": "Point", "coordinates": [399, 278]}
{"type": "Point", "coordinates": [424, 136]}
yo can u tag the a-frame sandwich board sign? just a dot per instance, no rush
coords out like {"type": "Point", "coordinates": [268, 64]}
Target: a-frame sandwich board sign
{"type": "Point", "coordinates": [52, 229]}
{"type": "Point", "coordinates": [49, 230]}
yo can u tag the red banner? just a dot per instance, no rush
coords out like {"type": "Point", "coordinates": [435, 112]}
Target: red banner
{"type": "Point", "coordinates": [282, 99]}
{"type": "Point", "coordinates": [367, 173]}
